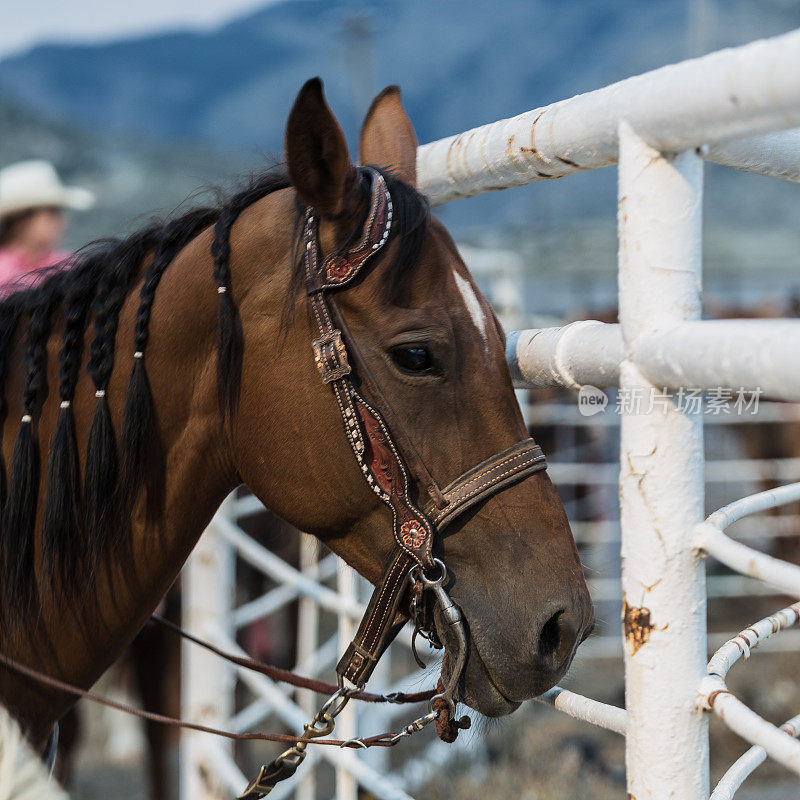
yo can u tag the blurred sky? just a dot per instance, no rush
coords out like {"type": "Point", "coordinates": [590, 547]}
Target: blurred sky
{"type": "Point", "coordinates": [29, 22]}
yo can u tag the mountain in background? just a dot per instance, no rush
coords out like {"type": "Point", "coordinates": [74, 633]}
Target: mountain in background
{"type": "Point", "coordinates": [460, 63]}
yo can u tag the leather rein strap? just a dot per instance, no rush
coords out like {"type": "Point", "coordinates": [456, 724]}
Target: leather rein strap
{"type": "Point", "coordinates": [370, 430]}
{"type": "Point", "coordinates": [381, 740]}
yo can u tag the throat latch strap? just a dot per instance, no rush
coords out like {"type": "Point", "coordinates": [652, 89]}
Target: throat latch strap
{"type": "Point", "coordinates": [380, 624]}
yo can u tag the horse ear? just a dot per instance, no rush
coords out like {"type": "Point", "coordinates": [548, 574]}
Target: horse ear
{"type": "Point", "coordinates": [388, 138]}
{"type": "Point", "coordinates": [316, 153]}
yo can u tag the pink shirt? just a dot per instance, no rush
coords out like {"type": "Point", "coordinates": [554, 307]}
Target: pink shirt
{"type": "Point", "coordinates": [16, 272]}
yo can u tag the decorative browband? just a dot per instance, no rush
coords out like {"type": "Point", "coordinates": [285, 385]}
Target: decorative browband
{"type": "Point", "coordinates": [339, 269]}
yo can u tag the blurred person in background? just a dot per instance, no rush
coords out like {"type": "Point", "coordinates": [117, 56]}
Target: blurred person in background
{"type": "Point", "coordinates": [33, 202]}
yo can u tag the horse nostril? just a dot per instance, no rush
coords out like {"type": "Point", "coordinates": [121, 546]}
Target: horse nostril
{"type": "Point", "coordinates": [550, 637]}
{"type": "Point", "coordinates": [557, 640]}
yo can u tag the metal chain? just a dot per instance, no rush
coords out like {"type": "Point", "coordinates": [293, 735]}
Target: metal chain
{"type": "Point", "coordinates": [322, 724]}
{"type": "Point", "coordinates": [324, 721]}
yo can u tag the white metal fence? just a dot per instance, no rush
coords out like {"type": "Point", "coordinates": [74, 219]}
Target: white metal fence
{"type": "Point", "coordinates": [729, 107]}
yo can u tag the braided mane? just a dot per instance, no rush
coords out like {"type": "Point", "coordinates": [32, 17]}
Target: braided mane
{"type": "Point", "coordinates": [87, 517]}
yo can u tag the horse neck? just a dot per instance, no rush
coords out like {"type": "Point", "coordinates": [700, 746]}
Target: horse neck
{"type": "Point", "coordinates": [78, 641]}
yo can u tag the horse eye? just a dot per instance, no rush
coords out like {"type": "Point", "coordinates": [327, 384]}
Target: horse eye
{"type": "Point", "coordinates": [412, 359]}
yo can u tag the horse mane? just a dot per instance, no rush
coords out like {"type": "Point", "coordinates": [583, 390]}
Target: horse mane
{"type": "Point", "coordinates": [87, 517]}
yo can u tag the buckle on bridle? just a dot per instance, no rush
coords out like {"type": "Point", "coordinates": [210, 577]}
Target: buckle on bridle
{"type": "Point", "coordinates": [330, 356]}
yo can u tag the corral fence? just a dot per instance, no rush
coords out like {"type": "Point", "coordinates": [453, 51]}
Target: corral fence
{"type": "Point", "coordinates": [734, 107]}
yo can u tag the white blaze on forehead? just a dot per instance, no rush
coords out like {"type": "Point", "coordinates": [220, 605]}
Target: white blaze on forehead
{"type": "Point", "coordinates": [473, 304]}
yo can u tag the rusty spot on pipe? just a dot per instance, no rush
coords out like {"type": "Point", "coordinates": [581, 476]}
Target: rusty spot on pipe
{"type": "Point", "coordinates": [532, 151]}
{"type": "Point", "coordinates": [568, 162]}
{"type": "Point", "coordinates": [637, 626]}
{"type": "Point", "coordinates": [714, 695]}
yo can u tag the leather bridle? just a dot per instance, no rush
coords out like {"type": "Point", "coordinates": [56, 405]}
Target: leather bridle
{"type": "Point", "coordinates": [377, 440]}
{"type": "Point", "coordinates": [411, 573]}
{"type": "Point", "coordinates": [374, 435]}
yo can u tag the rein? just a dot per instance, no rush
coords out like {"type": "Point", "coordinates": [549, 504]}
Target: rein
{"type": "Point", "coordinates": [381, 740]}
{"type": "Point", "coordinates": [287, 676]}
{"type": "Point", "coordinates": [412, 575]}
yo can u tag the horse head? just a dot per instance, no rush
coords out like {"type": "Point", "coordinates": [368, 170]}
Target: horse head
{"type": "Point", "coordinates": [430, 344]}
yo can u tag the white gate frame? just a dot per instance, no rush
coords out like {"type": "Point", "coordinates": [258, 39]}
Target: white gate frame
{"type": "Point", "coordinates": [728, 107]}
{"type": "Point", "coordinates": [658, 127]}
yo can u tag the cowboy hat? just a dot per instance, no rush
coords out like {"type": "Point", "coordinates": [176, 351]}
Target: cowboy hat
{"type": "Point", "coordinates": [35, 183]}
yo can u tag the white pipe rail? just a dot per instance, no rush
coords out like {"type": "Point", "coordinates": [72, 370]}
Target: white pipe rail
{"type": "Point", "coordinates": [229, 774]}
{"type": "Point", "coordinates": [741, 769]}
{"type": "Point", "coordinates": [754, 504]}
{"type": "Point", "coordinates": [278, 597]}
{"type": "Point", "coordinates": [580, 353]}
{"type": "Point", "coordinates": [416, 772]}
{"type": "Point", "coordinates": [754, 355]}
{"type": "Point", "coordinates": [714, 695]}
{"type": "Point", "coordinates": [608, 589]}
{"type": "Point", "coordinates": [731, 471]}
{"type": "Point", "coordinates": [772, 527]}
{"type": "Point", "coordinates": [567, 414]}
{"type": "Point", "coordinates": [278, 569]}
{"type": "Point", "coordinates": [661, 479]}
{"type": "Point", "coordinates": [307, 646]}
{"type": "Point", "coordinates": [600, 648]}
{"type": "Point", "coordinates": [346, 788]}
{"type": "Point", "coordinates": [774, 155]}
{"type": "Point", "coordinates": [594, 712]}
{"type": "Point", "coordinates": [207, 597]}
{"type": "Point", "coordinates": [772, 571]}
{"type": "Point", "coordinates": [708, 100]}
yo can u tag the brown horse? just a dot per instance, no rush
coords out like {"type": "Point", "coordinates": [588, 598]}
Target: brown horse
{"type": "Point", "coordinates": [230, 394]}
